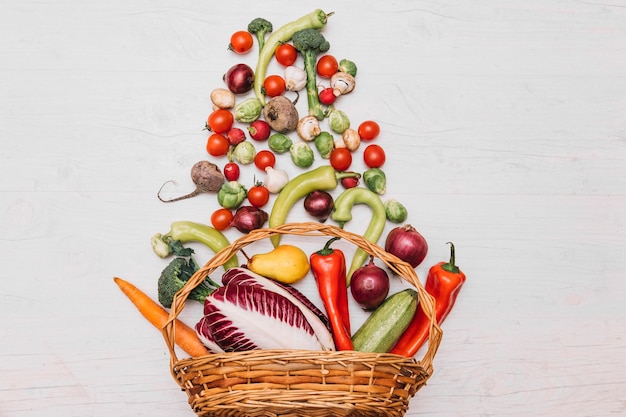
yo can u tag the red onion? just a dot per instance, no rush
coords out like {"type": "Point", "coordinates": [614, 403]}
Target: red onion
{"type": "Point", "coordinates": [407, 244]}
{"type": "Point", "coordinates": [248, 218]}
{"type": "Point", "coordinates": [369, 286]}
{"type": "Point", "coordinates": [319, 204]}
{"type": "Point", "coordinates": [239, 78]}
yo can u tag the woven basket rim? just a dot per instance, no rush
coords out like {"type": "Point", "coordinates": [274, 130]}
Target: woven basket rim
{"type": "Point", "coordinates": [399, 267]}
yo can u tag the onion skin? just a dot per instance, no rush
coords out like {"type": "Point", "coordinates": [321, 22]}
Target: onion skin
{"type": "Point", "coordinates": [369, 286]}
{"type": "Point", "coordinates": [408, 244]}
{"type": "Point", "coordinates": [319, 204]}
{"type": "Point", "coordinates": [239, 79]}
{"type": "Point", "coordinates": [249, 218]}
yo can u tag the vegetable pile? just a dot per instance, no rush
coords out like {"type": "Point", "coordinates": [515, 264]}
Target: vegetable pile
{"type": "Point", "coordinates": [266, 158]}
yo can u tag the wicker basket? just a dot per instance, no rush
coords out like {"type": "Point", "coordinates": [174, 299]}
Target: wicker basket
{"type": "Point", "coordinates": [296, 382]}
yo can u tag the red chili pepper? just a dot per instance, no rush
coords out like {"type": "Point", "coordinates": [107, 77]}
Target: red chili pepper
{"type": "Point", "coordinates": [329, 269]}
{"type": "Point", "coordinates": [444, 281]}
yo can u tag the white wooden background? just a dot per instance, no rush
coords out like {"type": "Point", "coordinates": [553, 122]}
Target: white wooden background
{"type": "Point", "coordinates": [505, 129]}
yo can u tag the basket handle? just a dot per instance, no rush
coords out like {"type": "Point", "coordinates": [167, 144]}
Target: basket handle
{"type": "Point", "coordinates": [401, 268]}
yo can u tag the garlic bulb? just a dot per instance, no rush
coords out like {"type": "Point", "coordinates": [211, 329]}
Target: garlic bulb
{"type": "Point", "coordinates": [295, 78]}
{"type": "Point", "coordinates": [275, 179]}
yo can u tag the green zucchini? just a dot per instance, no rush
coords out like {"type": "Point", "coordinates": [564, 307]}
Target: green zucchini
{"type": "Point", "coordinates": [382, 329]}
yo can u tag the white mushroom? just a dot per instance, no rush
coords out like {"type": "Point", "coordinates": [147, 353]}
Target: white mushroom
{"type": "Point", "coordinates": [308, 128]}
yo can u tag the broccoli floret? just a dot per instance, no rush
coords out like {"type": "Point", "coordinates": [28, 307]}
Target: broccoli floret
{"type": "Point", "coordinates": [310, 43]}
{"type": "Point", "coordinates": [175, 276]}
{"type": "Point", "coordinates": [259, 27]}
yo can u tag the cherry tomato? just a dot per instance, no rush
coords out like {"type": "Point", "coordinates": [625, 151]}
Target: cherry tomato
{"type": "Point", "coordinates": [368, 130]}
{"type": "Point", "coordinates": [258, 195]}
{"type": "Point", "coordinates": [286, 54]}
{"type": "Point", "coordinates": [217, 145]}
{"type": "Point", "coordinates": [374, 156]}
{"type": "Point", "coordinates": [341, 159]}
{"type": "Point", "coordinates": [231, 171]}
{"type": "Point", "coordinates": [241, 42]}
{"type": "Point", "coordinates": [327, 66]}
{"type": "Point", "coordinates": [221, 218]}
{"type": "Point", "coordinates": [264, 159]}
{"type": "Point", "coordinates": [220, 121]}
{"type": "Point", "coordinates": [274, 85]}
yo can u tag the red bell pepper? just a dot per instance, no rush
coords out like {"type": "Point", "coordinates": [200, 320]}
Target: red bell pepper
{"type": "Point", "coordinates": [329, 269]}
{"type": "Point", "coordinates": [444, 281]}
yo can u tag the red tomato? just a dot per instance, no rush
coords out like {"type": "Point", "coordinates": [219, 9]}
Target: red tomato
{"type": "Point", "coordinates": [341, 159]}
{"type": "Point", "coordinates": [231, 171]}
{"type": "Point", "coordinates": [274, 85]}
{"type": "Point", "coordinates": [286, 54]}
{"type": "Point", "coordinates": [241, 42]}
{"type": "Point", "coordinates": [221, 218]}
{"type": "Point", "coordinates": [217, 145]}
{"type": "Point", "coordinates": [220, 121]}
{"type": "Point", "coordinates": [264, 159]}
{"type": "Point", "coordinates": [374, 156]}
{"type": "Point", "coordinates": [368, 130]}
{"type": "Point", "coordinates": [258, 195]}
{"type": "Point", "coordinates": [327, 66]}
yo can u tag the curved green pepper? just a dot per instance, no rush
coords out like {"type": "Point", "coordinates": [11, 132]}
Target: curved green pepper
{"type": "Point", "coordinates": [342, 213]}
{"type": "Point", "coordinates": [322, 178]}
{"type": "Point", "coordinates": [186, 231]}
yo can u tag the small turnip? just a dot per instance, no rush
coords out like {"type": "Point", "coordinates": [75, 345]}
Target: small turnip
{"type": "Point", "coordinates": [205, 175]}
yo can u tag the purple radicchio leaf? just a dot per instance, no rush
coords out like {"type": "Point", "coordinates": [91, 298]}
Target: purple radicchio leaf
{"type": "Point", "coordinates": [205, 336]}
{"type": "Point", "coordinates": [315, 317]}
{"type": "Point", "coordinates": [242, 317]}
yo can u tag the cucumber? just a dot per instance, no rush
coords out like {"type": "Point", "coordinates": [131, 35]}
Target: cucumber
{"type": "Point", "coordinates": [385, 325]}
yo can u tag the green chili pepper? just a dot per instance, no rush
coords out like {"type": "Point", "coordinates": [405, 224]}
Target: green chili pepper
{"type": "Point", "coordinates": [187, 231]}
{"type": "Point", "coordinates": [342, 214]}
{"type": "Point", "coordinates": [322, 178]}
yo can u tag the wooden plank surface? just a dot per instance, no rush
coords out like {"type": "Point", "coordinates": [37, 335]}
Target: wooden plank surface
{"type": "Point", "coordinates": [505, 130]}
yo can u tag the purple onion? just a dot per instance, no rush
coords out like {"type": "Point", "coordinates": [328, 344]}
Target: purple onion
{"type": "Point", "coordinates": [369, 286]}
{"type": "Point", "coordinates": [408, 244]}
{"type": "Point", "coordinates": [239, 78]}
{"type": "Point", "coordinates": [319, 204]}
{"type": "Point", "coordinates": [248, 218]}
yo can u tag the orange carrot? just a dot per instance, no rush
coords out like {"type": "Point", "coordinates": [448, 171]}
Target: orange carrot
{"type": "Point", "coordinates": [186, 337]}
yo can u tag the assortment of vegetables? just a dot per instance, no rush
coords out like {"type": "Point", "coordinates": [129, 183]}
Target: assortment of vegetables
{"type": "Point", "coordinates": [257, 305]}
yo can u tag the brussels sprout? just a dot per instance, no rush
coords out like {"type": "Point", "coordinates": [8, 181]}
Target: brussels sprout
{"type": "Point", "coordinates": [338, 121]}
{"type": "Point", "coordinates": [395, 211]}
{"type": "Point", "coordinates": [231, 194]}
{"type": "Point", "coordinates": [325, 143]}
{"type": "Point", "coordinates": [279, 143]}
{"type": "Point", "coordinates": [248, 110]}
{"type": "Point", "coordinates": [302, 154]}
{"type": "Point", "coordinates": [345, 65]}
{"type": "Point", "coordinates": [244, 153]}
{"type": "Point", "coordinates": [376, 180]}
